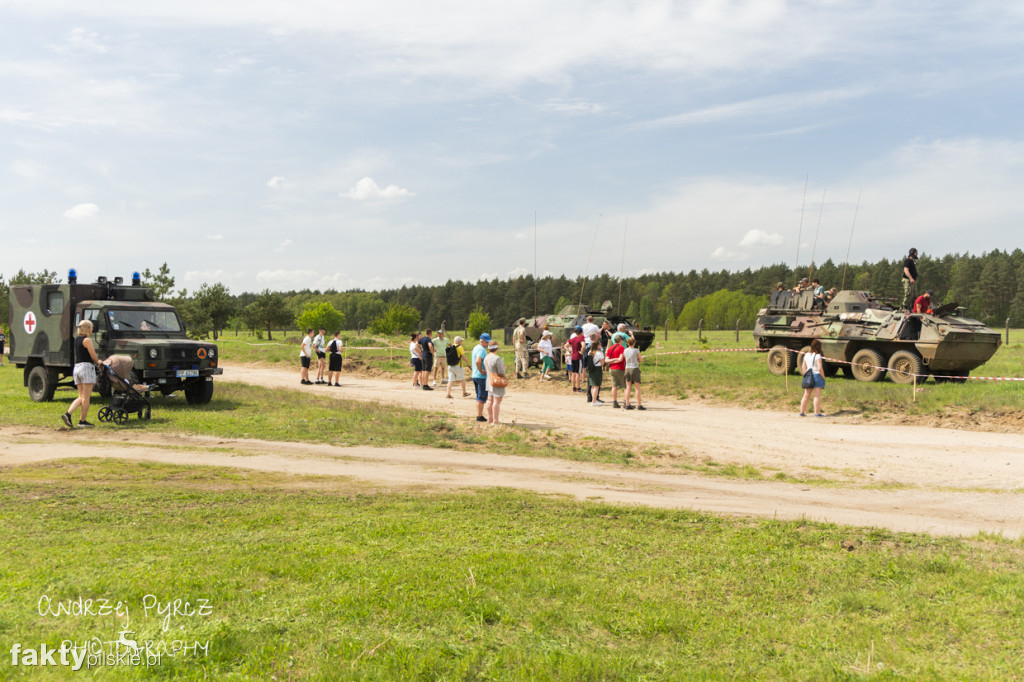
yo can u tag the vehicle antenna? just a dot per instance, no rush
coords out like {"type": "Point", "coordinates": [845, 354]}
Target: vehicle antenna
{"type": "Point", "coordinates": [810, 268]}
{"type": "Point", "coordinates": [587, 271]}
{"type": "Point", "coordinates": [799, 232]}
{"type": "Point", "coordinates": [847, 263]}
{"type": "Point", "coordinates": [622, 268]}
{"type": "Point", "coordinates": [535, 264]}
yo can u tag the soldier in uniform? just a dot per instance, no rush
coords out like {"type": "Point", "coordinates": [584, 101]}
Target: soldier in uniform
{"type": "Point", "coordinates": [910, 279]}
{"type": "Point", "coordinates": [522, 354]}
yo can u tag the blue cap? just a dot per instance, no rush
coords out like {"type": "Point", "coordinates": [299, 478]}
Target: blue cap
{"type": "Point", "coordinates": [485, 337]}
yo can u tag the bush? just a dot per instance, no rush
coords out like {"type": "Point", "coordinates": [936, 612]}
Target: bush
{"type": "Point", "coordinates": [479, 323]}
{"type": "Point", "coordinates": [397, 318]}
{"type": "Point", "coordinates": [320, 316]}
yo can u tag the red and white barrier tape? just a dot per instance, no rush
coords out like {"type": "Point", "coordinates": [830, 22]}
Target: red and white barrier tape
{"type": "Point", "coordinates": [837, 362]}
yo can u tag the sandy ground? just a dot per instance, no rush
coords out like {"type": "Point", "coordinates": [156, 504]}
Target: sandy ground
{"type": "Point", "coordinates": [952, 482]}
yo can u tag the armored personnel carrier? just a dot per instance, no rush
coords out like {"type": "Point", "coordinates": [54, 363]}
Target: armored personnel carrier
{"type": "Point", "coordinates": [562, 324]}
{"type": "Point", "coordinates": [873, 336]}
{"type": "Point", "coordinates": [126, 321]}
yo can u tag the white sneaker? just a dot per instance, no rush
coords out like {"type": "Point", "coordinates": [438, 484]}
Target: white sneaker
{"type": "Point", "coordinates": [433, 383]}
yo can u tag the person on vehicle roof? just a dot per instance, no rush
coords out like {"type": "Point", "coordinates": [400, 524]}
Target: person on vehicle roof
{"type": "Point", "coordinates": [910, 279]}
{"type": "Point", "coordinates": [923, 304]}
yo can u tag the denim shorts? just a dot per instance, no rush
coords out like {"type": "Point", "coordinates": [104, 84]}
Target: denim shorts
{"type": "Point", "coordinates": [481, 389]}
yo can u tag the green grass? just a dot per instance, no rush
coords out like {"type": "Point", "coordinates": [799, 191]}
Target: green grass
{"type": "Point", "coordinates": [317, 579]}
{"type": "Point", "coordinates": [245, 411]}
{"type": "Point", "coordinates": [742, 377]}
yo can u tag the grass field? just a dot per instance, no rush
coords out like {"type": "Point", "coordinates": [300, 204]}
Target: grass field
{"type": "Point", "coordinates": [323, 579]}
{"type": "Point", "coordinates": [735, 377]}
{"type": "Point", "coordinates": [244, 411]}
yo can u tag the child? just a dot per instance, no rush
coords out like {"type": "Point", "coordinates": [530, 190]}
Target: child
{"type": "Point", "coordinates": [595, 370]}
{"type": "Point", "coordinates": [547, 357]}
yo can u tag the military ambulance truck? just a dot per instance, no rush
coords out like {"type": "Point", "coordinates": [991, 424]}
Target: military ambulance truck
{"type": "Point", "coordinates": [126, 321]}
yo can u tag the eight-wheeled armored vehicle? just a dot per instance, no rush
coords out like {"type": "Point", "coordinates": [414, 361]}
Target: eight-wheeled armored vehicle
{"type": "Point", "coordinates": [873, 336]}
{"type": "Point", "coordinates": [126, 321]}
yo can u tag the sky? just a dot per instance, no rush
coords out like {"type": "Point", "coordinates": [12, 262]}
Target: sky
{"type": "Point", "coordinates": [329, 144]}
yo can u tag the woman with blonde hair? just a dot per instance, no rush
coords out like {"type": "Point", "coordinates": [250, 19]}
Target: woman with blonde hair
{"type": "Point", "coordinates": [84, 374]}
{"type": "Point", "coordinates": [495, 367]}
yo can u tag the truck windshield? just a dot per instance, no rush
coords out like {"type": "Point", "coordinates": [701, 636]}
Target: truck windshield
{"type": "Point", "coordinates": [136, 321]}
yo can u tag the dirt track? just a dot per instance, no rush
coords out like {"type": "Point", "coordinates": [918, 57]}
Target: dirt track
{"type": "Point", "coordinates": [928, 461]}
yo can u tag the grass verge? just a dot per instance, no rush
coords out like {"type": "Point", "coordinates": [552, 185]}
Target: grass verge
{"type": "Point", "coordinates": [309, 578]}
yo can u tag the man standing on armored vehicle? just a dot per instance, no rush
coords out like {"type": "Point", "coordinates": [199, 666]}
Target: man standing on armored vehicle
{"type": "Point", "coordinates": [910, 279]}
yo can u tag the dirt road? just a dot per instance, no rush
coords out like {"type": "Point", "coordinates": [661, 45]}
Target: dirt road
{"type": "Point", "coordinates": [953, 482]}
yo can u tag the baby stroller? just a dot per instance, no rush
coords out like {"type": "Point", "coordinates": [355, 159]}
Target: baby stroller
{"type": "Point", "coordinates": [125, 397]}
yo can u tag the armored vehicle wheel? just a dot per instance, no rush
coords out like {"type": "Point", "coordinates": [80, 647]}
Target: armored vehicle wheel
{"type": "Point", "coordinates": [781, 360]}
{"type": "Point", "coordinates": [847, 371]}
{"type": "Point", "coordinates": [800, 359]}
{"type": "Point", "coordinates": [903, 365]}
{"type": "Point", "coordinates": [831, 368]}
{"type": "Point", "coordinates": [199, 392]}
{"type": "Point", "coordinates": [41, 384]}
{"type": "Point", "coordinates": [104, 414]}
{"type": "Point", "coordinates": [953, 377]}
{"type": "Point", "coordinates": [120, 417]}
{"type": "Point", "coordinates": [868, 365]}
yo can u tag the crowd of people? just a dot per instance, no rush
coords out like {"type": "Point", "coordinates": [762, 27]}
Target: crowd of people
{"type": "Point", "coordinates": [587, 354]}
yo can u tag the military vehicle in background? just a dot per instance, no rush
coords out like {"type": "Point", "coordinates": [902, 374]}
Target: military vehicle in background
{"type": "Point", "coordinates": [126, 320]}
{"type": "Point", "coordinates": [562, 324]}
{"type": "Point", "coordinates": [873, 336]}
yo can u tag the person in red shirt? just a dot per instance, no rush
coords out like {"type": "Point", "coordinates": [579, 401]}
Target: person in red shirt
{"type": "Point", "coordinates": [576, 343]}
{"type": "Point", "coordinates": [923, 303]}
{"type": "Point", "coordinates": [616, 355]}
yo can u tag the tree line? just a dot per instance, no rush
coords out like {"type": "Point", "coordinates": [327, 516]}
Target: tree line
{"type": "Point", "coordinates": [990, 286]}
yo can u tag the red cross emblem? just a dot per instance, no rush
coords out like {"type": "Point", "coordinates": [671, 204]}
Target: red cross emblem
{"type": "Point", "coordinates": [30, 322]}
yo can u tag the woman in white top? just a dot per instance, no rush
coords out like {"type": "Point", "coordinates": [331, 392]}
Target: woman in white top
{"type": "Point", "coordinates": [416, 358]}
{"type": "Point", "coordinates": [547, 356]}
{"type": "Point", "coordinates": [812, 363]}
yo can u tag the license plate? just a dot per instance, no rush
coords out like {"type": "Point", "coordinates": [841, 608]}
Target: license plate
{"type": "Point", "coordinates": [182, 373]}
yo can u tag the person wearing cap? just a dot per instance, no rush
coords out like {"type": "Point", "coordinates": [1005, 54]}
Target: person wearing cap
{"type": "Point", "coordinates": [616, 360]}
{"type": "Point", "coordinates": [440, 357]}
{"type": "Point", "coordinates": [923, 304]}
{"type": "Point", "coordinates": [522, 352]}
{"type": "Point", "coordinates": [910, 279]}
{"type": "Point", "coordinates": [495, 366]}
{"type": "Point", "coordinates": [479, 375]}
{"type": "Point", "coordinates": [576, 345]}
{"type": "Point", "coordinates": [547, 356]}
{"type": "Point", "coordinates": [456, 354]}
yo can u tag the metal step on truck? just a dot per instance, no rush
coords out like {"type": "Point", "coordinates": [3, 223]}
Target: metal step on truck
{"type": "Point", "coordinates": [127, 320]}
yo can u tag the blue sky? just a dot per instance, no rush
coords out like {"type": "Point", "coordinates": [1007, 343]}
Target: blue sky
{"type": "Point", "coordinates": [339, 145]}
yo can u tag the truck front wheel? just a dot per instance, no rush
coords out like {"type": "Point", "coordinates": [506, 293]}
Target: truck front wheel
{"type": "Point", "coordinates": [41, 384]}
{"type": "Point", "coordinates": [199, 392]}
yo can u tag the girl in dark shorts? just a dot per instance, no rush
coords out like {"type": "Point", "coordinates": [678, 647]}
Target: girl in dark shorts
{"type": "Point", "coordinates": [595, 370]}
{"type": "Point", "coordinates": [334, 361]}
{"type": "Point", "coordinates": [416, 360]}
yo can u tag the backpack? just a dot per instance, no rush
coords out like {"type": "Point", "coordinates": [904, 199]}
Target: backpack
{"type": "Point", "coordinates": [451, 354]}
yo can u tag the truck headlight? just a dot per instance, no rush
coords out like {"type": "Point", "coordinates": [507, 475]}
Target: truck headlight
{"type": "Point", "coordinates": [153, 352]}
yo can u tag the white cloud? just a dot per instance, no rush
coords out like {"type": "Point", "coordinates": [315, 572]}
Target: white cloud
{"type": "Point", "coordinates": [758, 237]}
{"type": "Point", "coordinates": [276, 182]}
{"type": "Point", "coordinates": [203, 276]}
{"type": "Point", "coordinates": [81, 40]}
{"type": "Point", "coordinates": [724, 254]}
{"type": "Point", "coordinates": [30, 170]}
{"type": "Point", "coordinates": [283, 246]}
{"type": "Point", "coordinates": [367, 189]}
{"type": "Point", "coordinates": [573, 106]}
{"type": "Point", "coordinates": [215, 237]}
{"type": "Point", "coordinates": [82, 212]}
